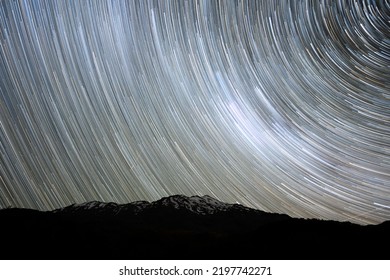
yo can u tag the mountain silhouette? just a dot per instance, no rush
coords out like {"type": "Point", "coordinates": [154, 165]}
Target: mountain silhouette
{"type": "Point", "coordinates": [181, 227]}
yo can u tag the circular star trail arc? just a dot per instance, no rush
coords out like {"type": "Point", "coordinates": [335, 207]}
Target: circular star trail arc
{"type": "Point", "coordinates": [278, 105]}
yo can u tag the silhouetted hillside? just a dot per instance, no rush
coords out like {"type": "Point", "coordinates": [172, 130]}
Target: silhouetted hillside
{"type": "Point", "coordinates": [180, 227]}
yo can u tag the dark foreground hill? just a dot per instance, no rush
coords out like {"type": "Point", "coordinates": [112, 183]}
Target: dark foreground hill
{"type": "Point", "coordinates": [180, 227]}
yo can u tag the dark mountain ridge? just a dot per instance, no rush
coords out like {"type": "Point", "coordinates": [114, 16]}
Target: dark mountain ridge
{"type": "Point", "coordinates": [180, 227]}
{"type": "Point", "coordinates": [204, 205]}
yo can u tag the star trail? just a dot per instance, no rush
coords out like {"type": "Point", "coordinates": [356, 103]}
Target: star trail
{"type": "Point", "coordinates": [283, 106]}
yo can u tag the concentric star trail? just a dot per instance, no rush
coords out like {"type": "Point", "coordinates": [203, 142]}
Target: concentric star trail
{"type": "Point", "coordinates": [279, 105]}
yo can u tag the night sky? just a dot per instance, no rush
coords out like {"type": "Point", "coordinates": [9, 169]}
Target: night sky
{"type": "Point", "coordinates": [283, 106]}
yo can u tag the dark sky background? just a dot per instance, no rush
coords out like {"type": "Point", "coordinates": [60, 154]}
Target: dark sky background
{"type": "Point", "coordinates": [278, 105]}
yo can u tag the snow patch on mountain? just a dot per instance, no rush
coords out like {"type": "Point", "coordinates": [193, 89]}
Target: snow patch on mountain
{"type": "Point", "coordinates": [202, 205]}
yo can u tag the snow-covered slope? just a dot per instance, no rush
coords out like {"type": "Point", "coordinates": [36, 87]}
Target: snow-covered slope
{"type": "Point", "coordinates": [202, 205]}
